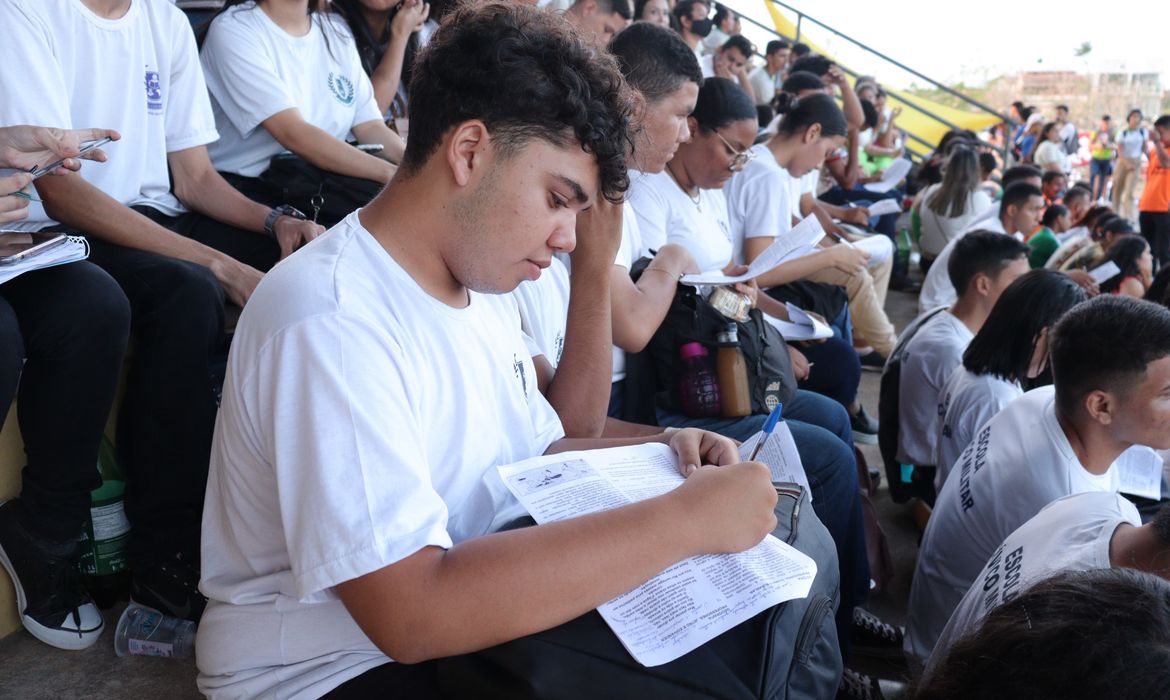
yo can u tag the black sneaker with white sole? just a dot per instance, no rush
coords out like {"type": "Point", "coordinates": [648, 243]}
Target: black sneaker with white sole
{"type": "Point", "coordinates": [169, 585]}
{"type": "Point", "coordinates": [865, 428]}
{"type": "Point", "coordinates": [53, 604]}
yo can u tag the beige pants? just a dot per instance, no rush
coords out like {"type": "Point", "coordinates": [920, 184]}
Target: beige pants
{"type": "Point", "coordinates": [1125, 179]}
{"type": "Point", "coordinates": [867, 297]}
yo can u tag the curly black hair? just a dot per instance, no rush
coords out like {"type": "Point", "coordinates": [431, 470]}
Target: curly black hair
{"type": "Point", "coordinates": [527, 75]}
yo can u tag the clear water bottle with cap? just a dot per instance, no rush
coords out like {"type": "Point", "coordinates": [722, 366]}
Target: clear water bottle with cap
{"type": "Point", "coordinates": [145, 631]}
{"type": "Point", "coordinates": [698, 388]}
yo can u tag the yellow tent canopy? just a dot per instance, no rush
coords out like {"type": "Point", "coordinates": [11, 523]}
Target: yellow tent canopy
{"type": "Point", "coordinates": [913, 119]}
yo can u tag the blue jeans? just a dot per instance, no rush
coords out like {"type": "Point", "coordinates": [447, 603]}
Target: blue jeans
{"type": "Point", "coordinates": [824, 439]}
{"type": "Point", "coordinates": [837, 370]}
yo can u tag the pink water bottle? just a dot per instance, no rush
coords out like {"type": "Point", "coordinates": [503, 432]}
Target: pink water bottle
{"type": "Point", "coordinates": [698, 388]}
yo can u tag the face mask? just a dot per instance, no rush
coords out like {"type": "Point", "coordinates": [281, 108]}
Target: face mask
{"type": "Point", "coordinates": [702, 27]}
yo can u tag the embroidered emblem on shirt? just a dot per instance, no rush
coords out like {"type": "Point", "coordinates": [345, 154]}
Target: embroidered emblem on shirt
{"type": "Point", "coordinates": [154, 96]}
{"type": "Point", "coordinates": [342, 88]}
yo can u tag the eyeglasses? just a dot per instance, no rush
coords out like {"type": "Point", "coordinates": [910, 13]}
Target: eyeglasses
{"type": "Point", "coordinates": [739, 159]}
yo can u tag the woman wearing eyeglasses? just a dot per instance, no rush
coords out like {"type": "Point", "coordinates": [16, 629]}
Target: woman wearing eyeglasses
{"type": "Point", "coordinates": [685, 205]}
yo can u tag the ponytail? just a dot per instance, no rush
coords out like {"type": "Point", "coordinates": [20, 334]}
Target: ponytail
{"type": "Point", "coordinates": [817, 108]}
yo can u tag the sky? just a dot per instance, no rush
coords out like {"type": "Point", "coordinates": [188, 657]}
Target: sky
{"type": "Point", "coordinates": [989, 38]}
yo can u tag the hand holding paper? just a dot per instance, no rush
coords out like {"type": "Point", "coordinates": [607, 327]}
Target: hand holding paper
{"type": "Point", "coordinates": [894, 174]}
{"type": "Point", "coordinates": [800, 241]}
{"type": "Point", "coordinates": [1103, 273]}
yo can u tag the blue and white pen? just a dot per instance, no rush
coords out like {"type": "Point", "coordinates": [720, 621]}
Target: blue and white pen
{"type": "Point", "coordinates": [769, 426]}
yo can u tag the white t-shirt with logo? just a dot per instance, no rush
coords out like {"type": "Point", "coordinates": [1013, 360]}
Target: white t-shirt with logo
{"type": "Point", "coordinates": [967, 402]}
{"type": "Point", "coordinates": [255, 70]}
{"type": "Point", "coordinates": [1070, 534]}
{"type": "Point", "coordinates": [937, 289]}
{"type": "Point", "coordinates": [544, 310]}
{"type": "Point", "coordinates": [666, 214]}
{"type": "Point", "coordinates": [927, 362]}
{"type": "Point", "coordinates": [362, 420]}
{"type": "Point", "coordinates": [1019, 462]}
{"type": "Point", "coordinates": [66, 67]}
{"type": "Point", "coordinates": [759, 203]}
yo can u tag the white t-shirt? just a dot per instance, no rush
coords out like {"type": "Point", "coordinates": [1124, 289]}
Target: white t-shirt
{"type": "Point", "coordinates": [628, 253]}
{"type": "Point", "coordinates": [967, 402]}
{"type": "Point", "coordinates": [255, 69]}
{"type": "Point", "coordinates": [1019, 462]}
{"type": "Point", "coordinates": [758, 201]}
{"type": "Point", "coordinates": [544, 310]}
{"type": "Point", "coordinates": [1050, 153]}
{"type": "Point", "coordinates": [927, 362]}
{"type": "Point", "coordinates": [937, 230]}
{"type": "Point", "coordinates": [1131, 142]}
{"type": "Point", "coordinates": [707, 65]}
{"type": "Point", "coordinates": [66, 67]}
{"type": "Point", "coordinates": [666, 214]}
{"type": "Point", "coordinates": [1071, 534]}
{"type": "Point", "coordinates": [937, 289]}
{"type": "Point", "coordinates": [713, 41]}
{"type": "Point", "coordinates": [362, 420]}
{"type": "Point", "coordinates": [763, 85]}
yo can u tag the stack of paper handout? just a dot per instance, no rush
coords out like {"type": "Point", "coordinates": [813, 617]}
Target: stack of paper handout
{"type": "Point", "coordinates": [696, 599]}
{"type": "Point", "coordinates": [798, 242]}
{"type": "Point", "coordinates": [74, 249]}
{"type": "Point", "coordinates": [800, 326]}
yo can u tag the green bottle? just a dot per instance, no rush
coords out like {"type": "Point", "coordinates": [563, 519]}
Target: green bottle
{"type": "Point", "coordinates": [903, 251]}
{"type": "Point", "coordinates": [103, 548]}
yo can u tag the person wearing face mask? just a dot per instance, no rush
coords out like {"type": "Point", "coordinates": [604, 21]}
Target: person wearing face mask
{"type": "Point", "coordinates": [725, 25]}
{"type": "Point", "coordinates": [693, 23]}
{"type": "Point", "coordinates": [1008, 353]}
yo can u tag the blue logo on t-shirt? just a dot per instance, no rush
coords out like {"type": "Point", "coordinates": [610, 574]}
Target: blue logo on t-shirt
{"type": "Point", "coordinates": [154, 96]}
{"type": "Point", "coordinates": [342, 88]}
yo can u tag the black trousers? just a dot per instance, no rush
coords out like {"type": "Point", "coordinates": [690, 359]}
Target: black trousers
{"type": "Point", "coordinates": [1155, 228]}
{"type": "Point", "coordinates": [63, 333]}
{"type": "Point", "coordinates": [167, 415]}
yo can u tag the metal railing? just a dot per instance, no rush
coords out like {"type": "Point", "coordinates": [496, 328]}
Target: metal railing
{"type": "Point", "coordinates": [907, 100]}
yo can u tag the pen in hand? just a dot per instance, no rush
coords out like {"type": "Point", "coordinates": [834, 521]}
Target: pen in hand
{"type": "Point", "coordinates": [769, 426]}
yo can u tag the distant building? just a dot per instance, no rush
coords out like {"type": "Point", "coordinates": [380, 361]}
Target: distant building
{"type": "Point", "coordinates": [1090, 89]}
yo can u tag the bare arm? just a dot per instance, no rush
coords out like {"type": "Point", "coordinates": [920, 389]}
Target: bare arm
{"type": "Point", "coordinates": [202, 189]}
{"type": "Point", "coordinates": [850, 104]}
{"type": "Point", "coordinates": [638, 309]}
{"type": "Point", "coordinates": [432, 603]}
{"type": "Point", "coordinates": [376, 132]}
{"type": "Point", "coordinates": [388, 75]}
{"type": "Point", "coordinates": [323, 150]}
{"type": "Point", "coordinates": [77, 204]}
{"type": "Point", "coordinates": [620, 428]}
{"type": "Point", "coordinates": [1163, 157]}
{"type": "Point", "coordinates": [579, 391]}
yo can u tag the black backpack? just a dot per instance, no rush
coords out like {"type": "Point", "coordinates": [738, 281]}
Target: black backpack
{"type": "Point", "coordinates": [918, 483]}
{"type": "Point", "coordinates": [787, 652]}
{"type": "Point", "coordinates": [651, 375]}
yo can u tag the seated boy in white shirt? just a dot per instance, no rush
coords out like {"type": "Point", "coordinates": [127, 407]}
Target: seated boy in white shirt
{"type": "Point", "coordinates": [984, 264]}
{"type": "Point", "coordinates": [1094, 530]}
{"type": "Point", "coordinates": [1110, 360]}
{"type": "Point", "coordinates": [1020, 214]}
{"type": "Point", "coordinates": [378, 377]}
{"type": "Point", "coordinates": [172, 233]}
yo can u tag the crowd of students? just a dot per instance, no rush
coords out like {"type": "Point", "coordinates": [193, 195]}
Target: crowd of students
{"type": "Point", "coordinates": [513, 194]}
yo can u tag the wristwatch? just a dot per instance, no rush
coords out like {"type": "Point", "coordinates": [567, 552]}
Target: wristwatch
{"type": "Point", "coordinates": [276, 213]}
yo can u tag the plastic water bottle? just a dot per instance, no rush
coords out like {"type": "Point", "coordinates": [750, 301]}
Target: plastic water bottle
{"type": "Point", "coordinates": [145, 631]}
{"type": "Point", "coordinates": [698, 389]}
{"type": "Point", "coordinates": [735, 396]}
{"type": "Point", "coordinates": [103, 548]}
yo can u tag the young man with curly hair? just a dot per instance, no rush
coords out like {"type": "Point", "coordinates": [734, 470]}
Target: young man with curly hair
{"type": "Point", "coordinates": [351, 530]}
